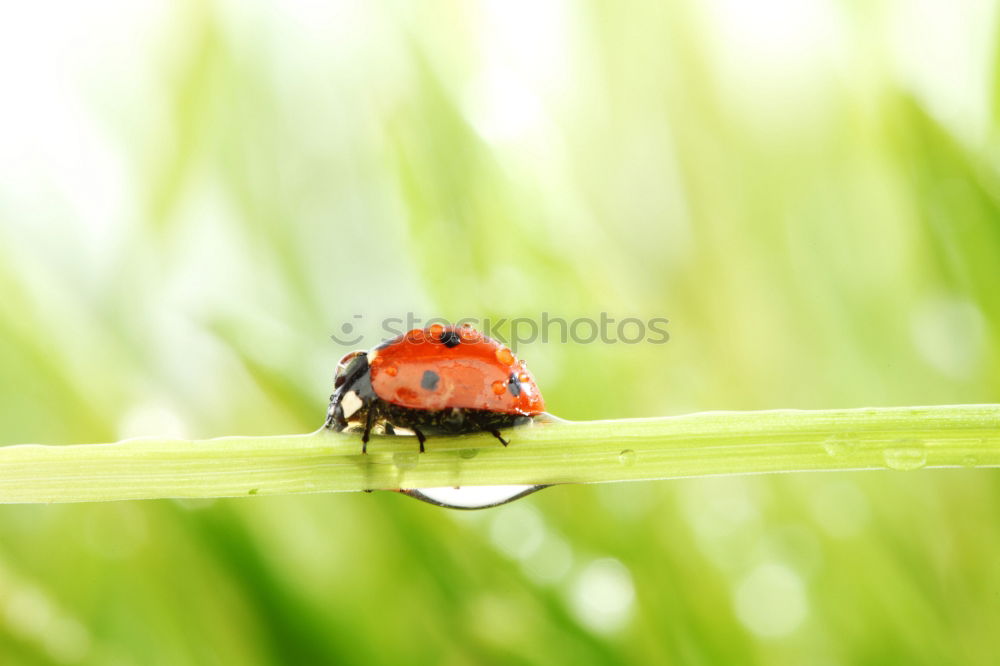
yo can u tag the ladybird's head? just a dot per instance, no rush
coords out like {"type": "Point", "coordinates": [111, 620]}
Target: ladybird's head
{"type": "Point", "coordinates": [352, 391]}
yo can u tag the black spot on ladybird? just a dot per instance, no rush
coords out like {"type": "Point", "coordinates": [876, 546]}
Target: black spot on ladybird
{"type": "Point", "coordinates": [514, 385]}
{"type": "Point", "coordinates": [430, 380]}
{"type": "Point", "coordinates": [450, 339]}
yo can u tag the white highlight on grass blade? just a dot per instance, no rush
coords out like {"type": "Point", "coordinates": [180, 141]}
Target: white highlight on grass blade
{"type": "Point", "coordinates": [30, 614]}
{"type": "Point", "coordinates": [517, 531]}
{"type": "Point", "coordinates": [797, 545]}
{"type": "Point", "coordinates": [27, 611]}
{"type": "Point", "coordinates": [776, 55]}
{"type": "Point", "coordinates": [532, 38]}
{"type": "Point", "coordinates": [151, 419]}
{"type": "Point", "coordinates": [603, 595]}
{"type": "Point", "coordinates": [776, 32]}
{"type": "Point", "coordinates": [944, 53]}
{"type": "Point", "coordinates": [501, 107]}
{"type": "Point", "coordinates": [67, 640]}
{"type": "Point", "coordinates": [551, 562]}
{"type": "Point", "coordinates": [771, 601]}
{"type": "Point", "coordinates": [70, 173]}
{"type": "Point", "coordinates": [949, 334]}
{"type": "Point", "coordinates": [723, 514]}
{"type": "Point", "coordinates": [840, 508]}
{"type": "Point", "coordinates": [526, 55]}
{"type": "Point", "coordinates": [716, 508]}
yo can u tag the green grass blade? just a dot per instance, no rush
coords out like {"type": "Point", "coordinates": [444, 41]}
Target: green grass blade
{"type": "Point", "coordinates": [711, 443]}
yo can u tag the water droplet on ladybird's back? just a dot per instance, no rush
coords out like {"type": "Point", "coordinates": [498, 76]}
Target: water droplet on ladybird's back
{"type": "Point", "coordinates": [627, 457]}
{"type": "Point", "coordinates": [404, 460]}
{"type": "Point", "coordinates": [505, 356]}
{"type": "Point", "coordinates": [499, 387]}
{"type": "Point", "coordinates": [905, 455]}
{"type": "Point", "coordinates": [469, 334]}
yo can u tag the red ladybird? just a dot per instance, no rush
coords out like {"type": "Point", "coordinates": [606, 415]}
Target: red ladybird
{"type": "Point", "coordinates": [443, 380]}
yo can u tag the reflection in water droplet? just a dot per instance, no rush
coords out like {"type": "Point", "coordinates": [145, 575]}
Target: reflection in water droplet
{"type": "Point", "coordinates": [771, 601]}
{"type": "Point", "coordinates": [517, 531]}
{"type": "Point", "coordinates": [471, 497]}
{"type": "Point", "coordinates": [468, 453]}
{"type": "Point", "coordinates": [627, 457]}
{"type": "Point", "coordinates": [906, 455]}
{"type": "Point", "coordinates": [404, 460]}
{"type": "Point", "coordinates": [603, 596]}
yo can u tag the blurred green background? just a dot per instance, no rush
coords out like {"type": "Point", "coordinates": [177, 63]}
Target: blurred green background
{"type": "Point", "coordinates": [194, 196]}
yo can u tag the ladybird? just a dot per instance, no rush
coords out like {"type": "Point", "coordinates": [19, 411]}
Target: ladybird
{"type": "Point", "coordinates": [438, 380]}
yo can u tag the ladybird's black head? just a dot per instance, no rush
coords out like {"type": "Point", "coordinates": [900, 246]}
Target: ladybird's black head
{"type": "Point", "coordinates": [450, 338]}
{"type": "Point", "coordinates": [352, 391]}
{"type": "Point", "coordinates": [352, 364]}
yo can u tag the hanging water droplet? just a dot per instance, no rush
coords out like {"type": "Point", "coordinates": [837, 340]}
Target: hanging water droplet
{"type": "Point", "coordinates": [627, 457]}
{"type": "Point", "coordinates": [404, 460]}
{"type": "Point", "coordinates": [468, 453]}
{"type": "Point", "coordinates": [906, 455]}
{"type": "Point", "coordinates": [471, 497]}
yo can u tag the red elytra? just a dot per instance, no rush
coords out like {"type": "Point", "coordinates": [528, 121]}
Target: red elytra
{"type": "Point", "coordinates": [443, 367]}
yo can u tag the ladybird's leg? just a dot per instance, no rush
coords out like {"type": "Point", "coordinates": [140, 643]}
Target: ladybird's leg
{"type": "Point", "coordinates": [496, 433]}
{"type": "Point", "coordinates": [421, 438]}
{"type": "Point", "coordinates": [389, 429]}
{"type": "Point", "coordinates": [491, 423]}
{"type": "Point", "coordinates": [370, 417]}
